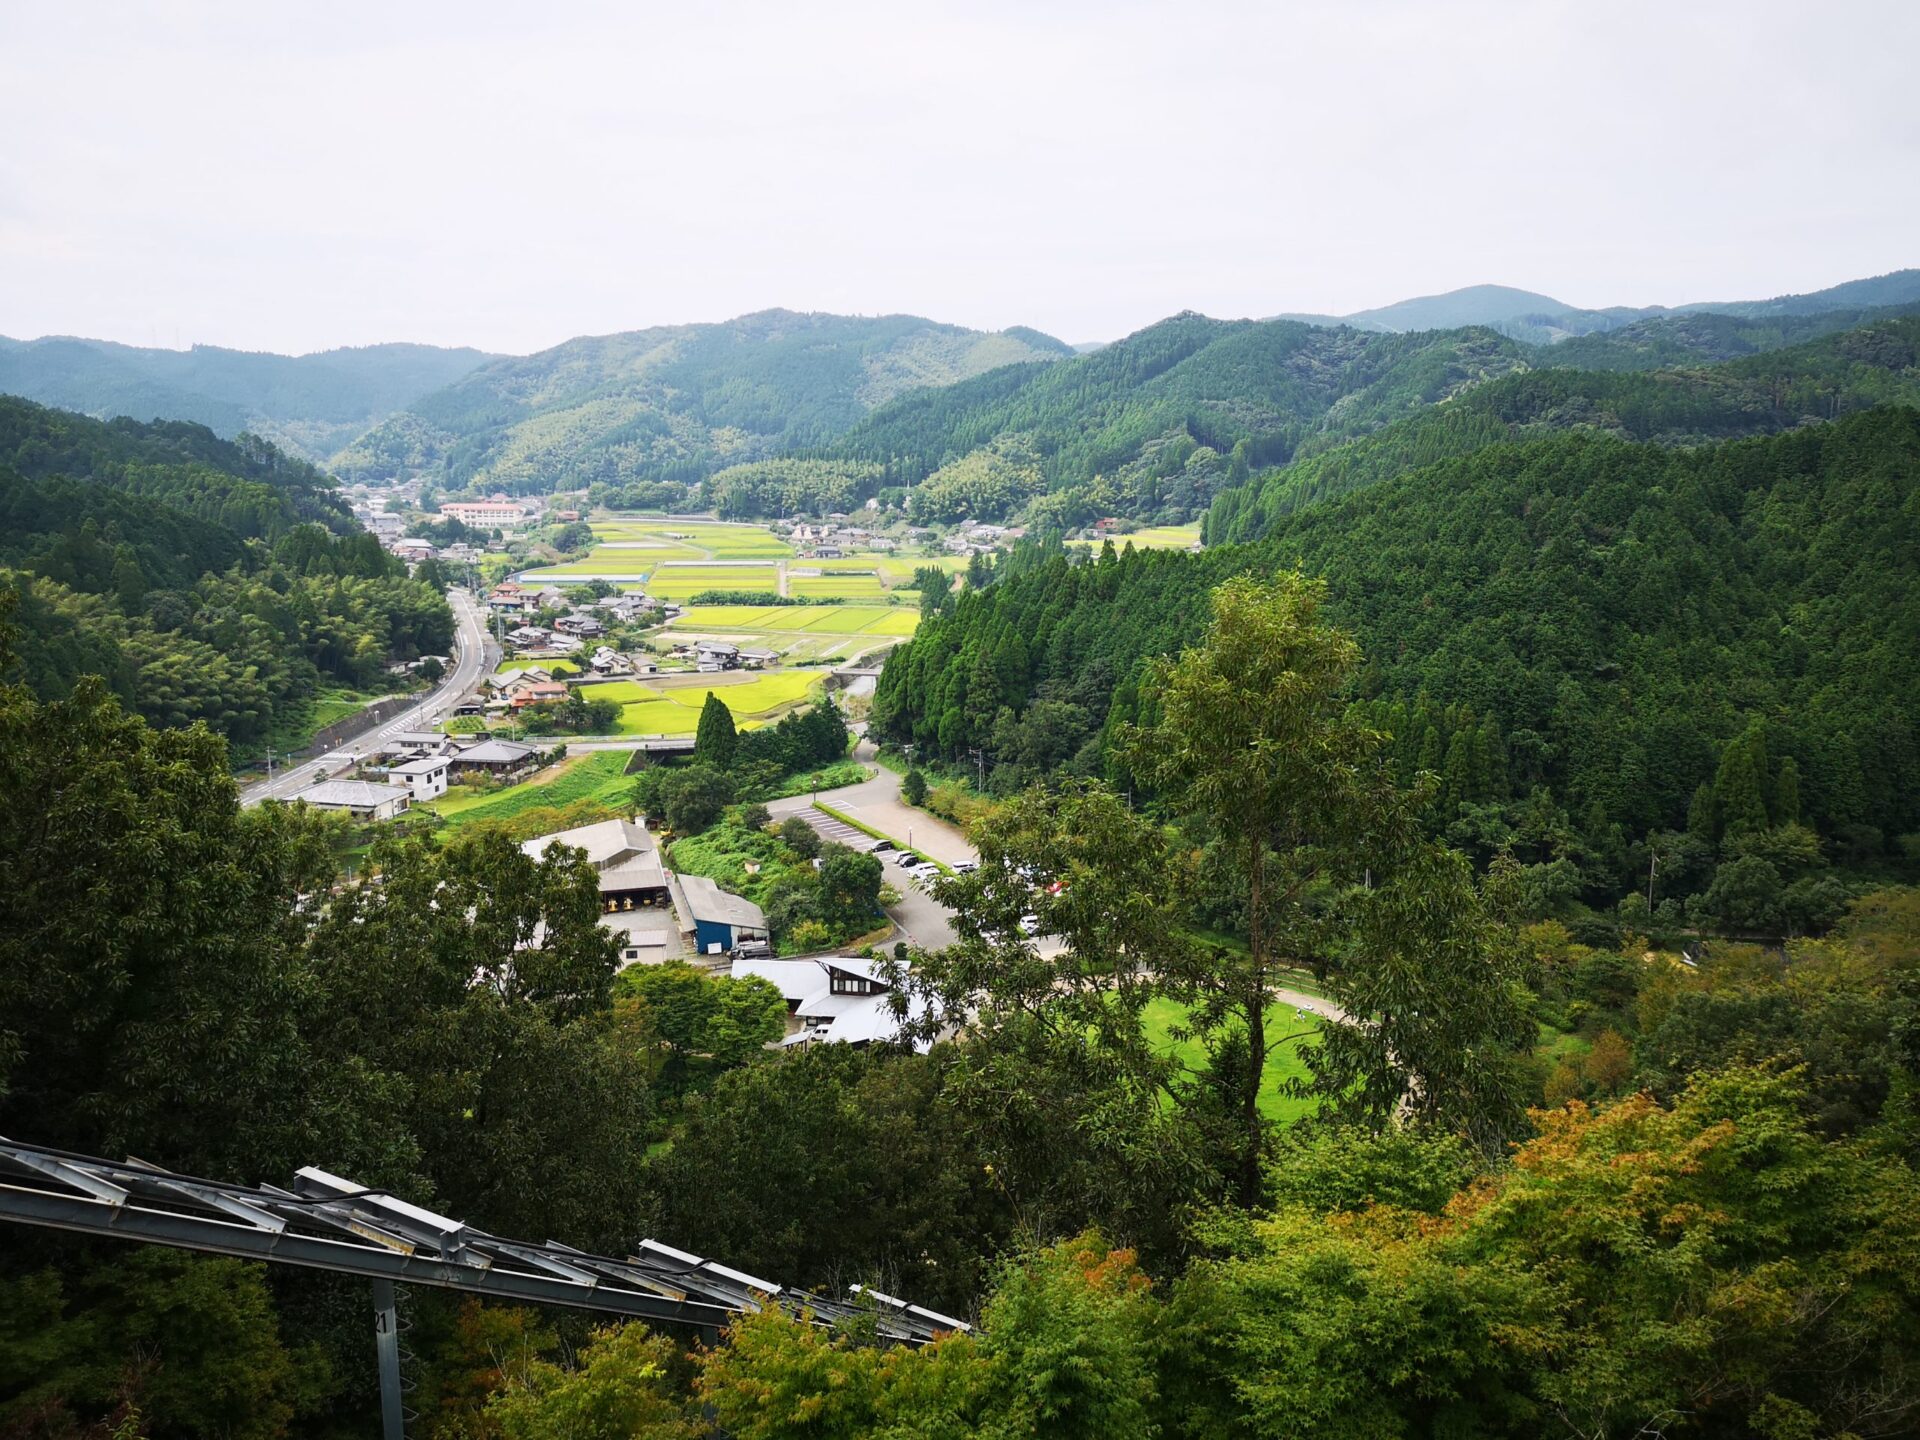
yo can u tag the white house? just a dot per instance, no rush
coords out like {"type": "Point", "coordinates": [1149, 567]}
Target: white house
{"type": "Point", "coordinates": [424, 778]}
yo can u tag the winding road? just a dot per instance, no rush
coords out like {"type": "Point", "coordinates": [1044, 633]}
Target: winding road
{"type": "Point", "coordinates": [474, 654]}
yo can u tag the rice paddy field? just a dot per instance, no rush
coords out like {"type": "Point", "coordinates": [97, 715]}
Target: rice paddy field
{"type": "Point", "coordinates": [614, 564]}
{"type": "Point", "coordinates": [814, 619]}
{"type": "Point", "coordinates": [1156, 537]}
{"type": "Point", "coordinates": [693, 539]}
{"type": "Point", "coordinates": [678, 582]}
{"type": "Point", "coordinates": [836, 586]}
{"type": "Point", "coordinates": [654, 708]}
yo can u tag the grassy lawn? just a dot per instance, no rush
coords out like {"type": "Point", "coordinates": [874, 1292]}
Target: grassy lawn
{"type": "Point", "coordinates": [1283, 1064]}
{"type": "Point", "coordinates": [555, 668]}
{"type": "Point", "coordinates": [600, 776]}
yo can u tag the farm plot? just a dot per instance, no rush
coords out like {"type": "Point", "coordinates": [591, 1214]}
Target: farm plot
{"type": "Point", "coordinates": [813, 619]}
{"type": "Point", "coordinates": [838, 587]}
{"type": "Point", "coordinates": [603, 560]}
{"type": "Point", "coordinates": [666, 709]}
{"type": "Point", "coordinates": [698, 539]}
{"type": "Point", "coordinates": [598, 777]}
{"type": "Point", "coordinates": [677, 582]}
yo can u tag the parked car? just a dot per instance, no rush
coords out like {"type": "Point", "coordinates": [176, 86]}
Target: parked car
{"type": "Point", "coordinates": [906, 860]}
{"type": "Point", "coordinates": [1029, 924]}
{"type": "Point", "coordinates": [966, 867]}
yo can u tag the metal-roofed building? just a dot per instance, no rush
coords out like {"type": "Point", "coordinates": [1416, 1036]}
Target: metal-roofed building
{"type": "Point", "coordinates": [500, 758]}
{"type": "Point", "coordinates": [716, 919]}
{"type": "Point", "coordinates": [626, 857]}
{"type": "Point", "coordinates": [836, 999]}
{"type": "Point", "coordinates": [362, 799]}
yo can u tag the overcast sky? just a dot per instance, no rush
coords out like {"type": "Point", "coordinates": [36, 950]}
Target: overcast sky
{"type": "Point", "coordinates": [294, 177]}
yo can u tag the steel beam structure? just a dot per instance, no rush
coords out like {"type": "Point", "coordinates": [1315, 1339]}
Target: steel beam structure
{"type": "Point", "coordinates": [327, 1223]}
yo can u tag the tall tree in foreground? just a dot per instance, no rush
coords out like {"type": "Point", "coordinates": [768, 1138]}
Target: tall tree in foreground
{"type": "Point", "coordinates": [1255, 743]}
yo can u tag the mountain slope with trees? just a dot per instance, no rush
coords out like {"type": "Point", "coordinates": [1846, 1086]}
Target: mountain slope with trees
{"type": "Point", "coordinates": [309, 404]}
{"type": "Point", "coordinates": [1540, 319]}
{"type": "Point", "coordinates": [675, 403]}
{"type": "Point", "coordinates": [206, 579]}
{"type": "Point", "coordinates": [1578, 623]}
{"type": "Point", "coordinates": [1876, 364]}
{"type": "Point", "coordinates": [1154, 424]}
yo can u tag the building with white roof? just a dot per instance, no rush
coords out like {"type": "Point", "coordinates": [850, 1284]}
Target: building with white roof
{"type": "Point", "coordinates": [362, 799]}
{"type": "Point", "coordinates": [626, 857]}
{"type": "Point", "coordinates": [836, 999]}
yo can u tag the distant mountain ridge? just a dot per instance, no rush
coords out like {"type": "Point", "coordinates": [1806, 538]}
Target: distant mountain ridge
{"type": "Point", "coordinates": [677, 402]}
{"type": "Point", "coordinates": [1541, 319]}
{"type": "Point", "coordinates": [308, 404]}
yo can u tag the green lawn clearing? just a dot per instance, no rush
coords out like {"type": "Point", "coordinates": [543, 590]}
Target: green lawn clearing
{"type": "Point", "coordinates": [1283, 1064]}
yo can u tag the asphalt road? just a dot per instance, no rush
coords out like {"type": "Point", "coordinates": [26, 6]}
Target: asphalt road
{"type": "Point", "coordinates": [473, 655]}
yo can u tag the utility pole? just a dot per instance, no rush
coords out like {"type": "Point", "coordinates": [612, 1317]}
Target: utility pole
{"type": "Point", "coordinates": [980, 756]}
{"type": "Point", "coordinates": [1653, 868]}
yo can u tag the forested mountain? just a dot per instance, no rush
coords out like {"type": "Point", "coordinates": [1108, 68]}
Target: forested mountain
{"type": "Point", "coordinates": [1842, 373]}
{"type": "Point", "coordinates": [206, 579]}
{"type": "Point", "coordinates": [1614, 616]}
{"type": "Point", "coordinates": [1541, 319]}
{"type": "Point", "coordinates": [309, 404]}
{"type": "Point", "coordinates": [675, 403]}
{"type": "Point", "coordinates": [1154, 424]}
{"type": "Point", "coordinates": [1704, 337]}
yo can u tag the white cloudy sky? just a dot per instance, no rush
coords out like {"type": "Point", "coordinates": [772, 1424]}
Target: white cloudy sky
{"type": "Point", "coordinates": [296, 176]}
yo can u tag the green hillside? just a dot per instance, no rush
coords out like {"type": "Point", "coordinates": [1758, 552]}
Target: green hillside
{"type": "Point", "coordinates": [1706, 337]}
{"type": "Point", "coordinates": [675, 403]}
{"type": "Point", "coordinates": [1149, 426]}
{"type": "Point", "coordinates": [1874, 365]}
{"type": "Point", "coordinates": [191, 573]}
{"type": "Point", "coordinates": [1589, 618]}
{"type": "Point", "coordinates": [309, 404]}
